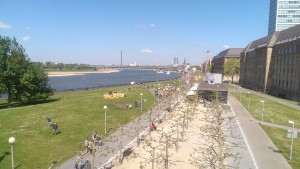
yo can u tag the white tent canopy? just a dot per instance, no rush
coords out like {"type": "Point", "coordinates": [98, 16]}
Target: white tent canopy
{"type": "Point", "coordinates": [190, 93]}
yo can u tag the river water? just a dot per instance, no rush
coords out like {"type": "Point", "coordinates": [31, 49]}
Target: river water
{"type": "Point", "coordinates": [97, 80]}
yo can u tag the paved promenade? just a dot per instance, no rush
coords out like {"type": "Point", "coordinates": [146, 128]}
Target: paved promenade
{"type": "Point", "coordinates": [264, 153]}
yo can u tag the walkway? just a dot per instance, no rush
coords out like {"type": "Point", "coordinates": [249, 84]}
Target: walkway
{"type": "Point", "coordinates": [265, 154]}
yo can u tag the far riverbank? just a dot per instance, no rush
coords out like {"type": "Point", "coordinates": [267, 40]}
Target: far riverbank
{"type": "Point", "coordinates": [76, 73]}
{"type": "Point", "coordinates": [69, 81]}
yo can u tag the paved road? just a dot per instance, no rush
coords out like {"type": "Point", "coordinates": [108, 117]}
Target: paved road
{"type": "Point", "coordinates": [264, 153]}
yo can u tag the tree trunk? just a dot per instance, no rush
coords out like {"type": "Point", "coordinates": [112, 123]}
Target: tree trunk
{"type": "Point", "coordinates": [9, 96]}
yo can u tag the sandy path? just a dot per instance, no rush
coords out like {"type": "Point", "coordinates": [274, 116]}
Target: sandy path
{"type": "Point", "coordinates": [70, 73]}
{"type": "Point", "coordinates": [180, 159]}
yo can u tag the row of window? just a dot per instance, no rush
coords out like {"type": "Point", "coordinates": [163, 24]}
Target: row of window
{"type": "Point", "coordinates": [289, 7]}
{"type": "Point", "coordinates": [289, 11]}
{"type": "Point", "coordinates": [288, 20]}
{"type": "Point", "coordinates": [285, 26]}
{"type": "Point", "coordinates": [289, 2]}
{"type": "Point", "coordinates": [284, 84]}
{"type": "Point", "coordinates": [287, 50]}
{"type": "Point", "coordinates": [288, 16]}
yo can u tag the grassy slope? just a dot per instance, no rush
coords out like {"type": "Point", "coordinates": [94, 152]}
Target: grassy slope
{"type": "Point", "coordinates": [77, 114]}
{"type": "Point", "coordinates": [275, 112]}
{"type": "Point", "coordinates": [283, 143]}
{"type": "Point", "coordinates": [279, 114]}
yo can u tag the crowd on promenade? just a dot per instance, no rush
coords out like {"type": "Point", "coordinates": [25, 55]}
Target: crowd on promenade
{"type": "Point", "coordinates": [90, 145]}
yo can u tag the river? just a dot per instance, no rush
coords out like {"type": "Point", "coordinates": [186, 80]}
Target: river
{"type": "Point", "coordinates": [97, 80]}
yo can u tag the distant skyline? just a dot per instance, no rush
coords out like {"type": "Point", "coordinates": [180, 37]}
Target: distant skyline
{"type": "Point", "coordinates": [147, 32]}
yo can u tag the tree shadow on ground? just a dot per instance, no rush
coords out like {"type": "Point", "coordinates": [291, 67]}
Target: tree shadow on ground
{"type": "Point", "coordinates": [21, 104]}
{"type": "Point", "coordinates": [18, 166]}
{"type": "Point", "coordinates": [4, 155]}
{"type": "Point", "coordinates": [274, 150]}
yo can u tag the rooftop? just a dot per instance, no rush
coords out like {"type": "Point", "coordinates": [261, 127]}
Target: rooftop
{"type": "Point", "coordinates": [231, 52]}
{"type": "Point", "coordinates": [211, 87]}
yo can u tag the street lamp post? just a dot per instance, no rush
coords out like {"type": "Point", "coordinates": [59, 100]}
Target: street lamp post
{"type": "Point", "coordinates": [240, 94]}
{"type": "Point", "coordinates": [248, 99]}
{"type": "Point", "coordinates": [262, 112]}
{"type": "Point", "coordinates": [150, 120]}
{"type": "Point", "coordinates": [292, 122]}
{"type": "Point", "coordinates": [138, 122]}
{"type": "Point", "coordinates": [141, 103]}
{"type": "Point", "coordinates": [234, 89]}
{"type": "Point", "coordinates": [105, 107]}
{"type": "Point", "coordinates": [11, 141]}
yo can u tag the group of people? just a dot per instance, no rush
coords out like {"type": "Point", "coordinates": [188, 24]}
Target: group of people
{"type": "Point", "coordinates": [81, 164]}
{"type": "Point", "coordinates": [90, 145]}
{"type": "Point", "coordinates": [54, 126]}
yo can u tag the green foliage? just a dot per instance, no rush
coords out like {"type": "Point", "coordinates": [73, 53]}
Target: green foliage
{"type": "Point", "coordinates": [209, 68]}
{"type": "Point", "coordinates": [35, 82]}
{"type": "Point", "coordinates": [232, 68]}
{"type": "Point", "coordinates": [19, 78]}
{"type": "Point", "coordinates": [60, 66]}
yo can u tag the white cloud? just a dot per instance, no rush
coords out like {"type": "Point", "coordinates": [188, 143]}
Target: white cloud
{"type": "Point", "coordinates": [4, 26]}
{"type": "Point", "coordinates": [151, 25]}
{"type": "Point", "coordinates": [146, 51]}
{"type": "Point", "coordinates": [226, 46]}
{"type": "Point", "coordinates": [27, 28]}
{"type": "Point", "coordinates": [26, 38]}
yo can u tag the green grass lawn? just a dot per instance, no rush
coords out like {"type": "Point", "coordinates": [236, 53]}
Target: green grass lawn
{"type": "Point", "coordinates": [275, 112]}
{"type": "Point", "coordinates": [283, 143]}
{"type": "Point", "coordinates": [161, 84]}
{"type": "Point", "coordinates": [278, 114]}
{"type": "Point", "coordinates": [77, 114]}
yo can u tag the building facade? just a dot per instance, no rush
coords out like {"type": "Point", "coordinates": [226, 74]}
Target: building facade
{"type": "Point", "coordinates": [283, 14]}
{"type": "Point", "coordinates": [272, 64]}
{"type": "Point", "coordinates": [219, 61]}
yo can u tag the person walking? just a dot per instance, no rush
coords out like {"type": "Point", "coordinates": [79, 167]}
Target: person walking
{"type": "Point", "coordinates": [81, 162]}
{"type": "Point", "coordinates": [87, 164]}
{"type": "Point", "coordinates": [49, 121]}
{"type": "Point", "coordinates": [55, 127]}
{"type": "Point", "coordinates": [86, 145]}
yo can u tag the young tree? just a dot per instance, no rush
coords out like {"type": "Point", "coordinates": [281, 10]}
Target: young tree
{"type": "Point", "coordinates": [220, 139]}
{"type": "Point", "coordinates": [231, 68]}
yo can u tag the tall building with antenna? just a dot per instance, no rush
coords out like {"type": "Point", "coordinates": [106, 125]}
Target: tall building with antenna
{"type": "Point", "coordinates": [175, 61]}
{"type": "Point", "coordinates": [121, 59]}
{"type": "Point", "coordinates": [283, 14]}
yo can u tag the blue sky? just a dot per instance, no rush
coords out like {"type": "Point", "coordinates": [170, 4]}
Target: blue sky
{"type": "Point", "coordinates": [149, 32]}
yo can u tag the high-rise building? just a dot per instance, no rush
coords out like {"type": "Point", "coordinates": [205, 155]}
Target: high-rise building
{"type": "Point", "coordinates": [283, 14]}
{"type": "Point", "coordinates": [175, 61]}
